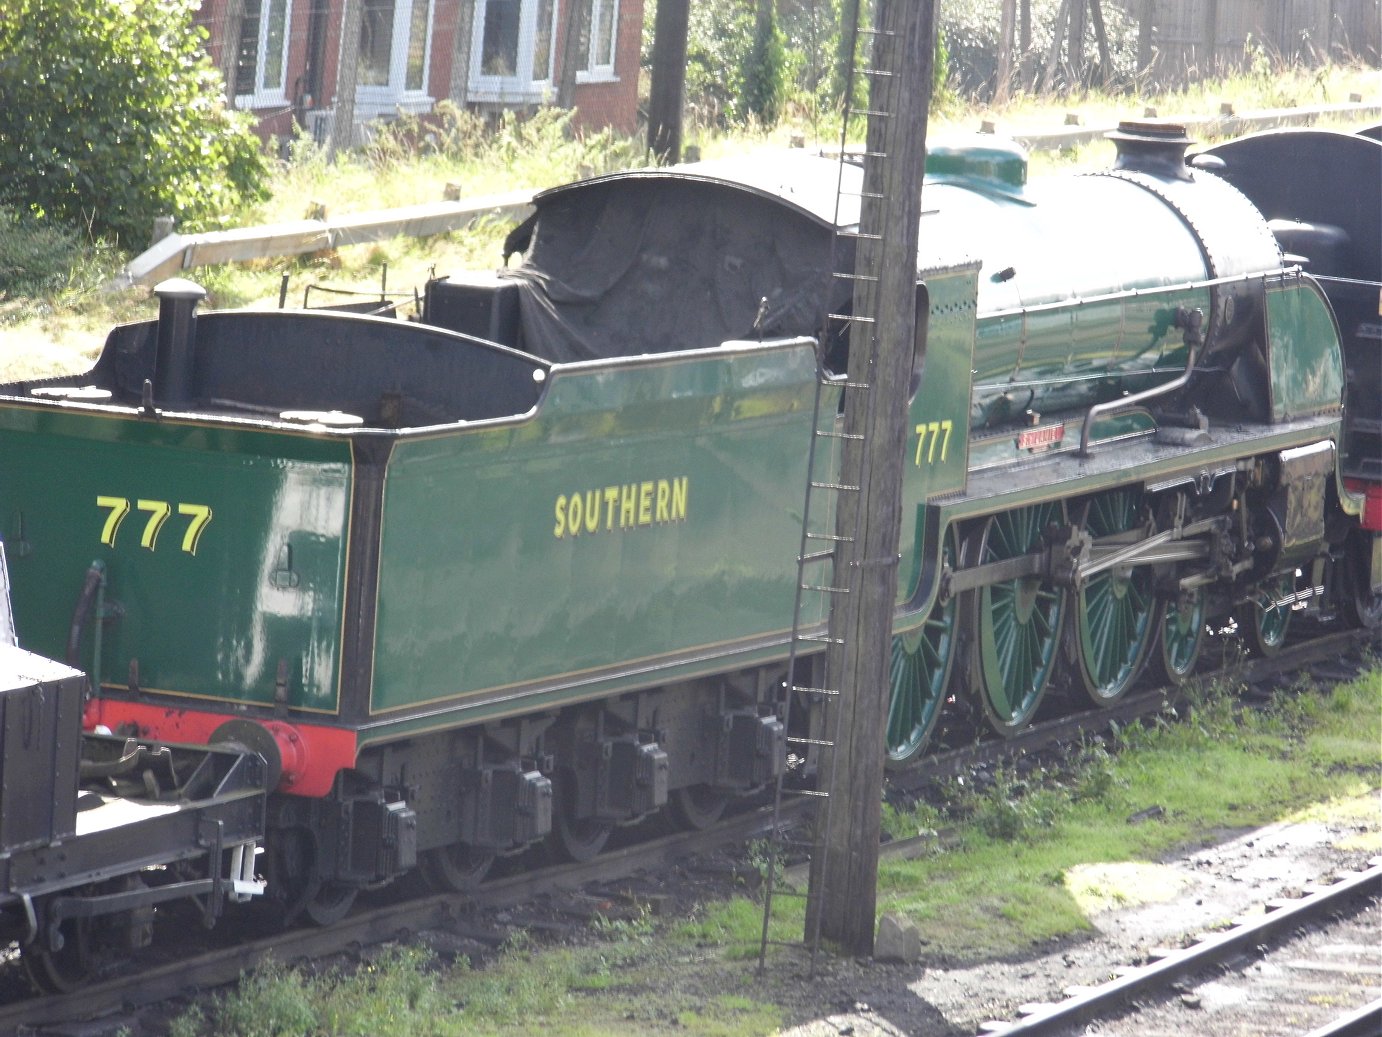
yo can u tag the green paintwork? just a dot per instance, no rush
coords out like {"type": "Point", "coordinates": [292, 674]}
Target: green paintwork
{"type": "Point", "coordinates": [1182, 633]}
{"type": "Point", "coordinates": [214, 623]}
{"type": "Point", "coordinates": [979, 162]}
{"type": "Point", "coordinates": [1114, 608]}
{"type": "Point", "coordinates": [490, 596]}
{"type": "Point", "coordinates": [919, 673]}
{"type": "Point", "coordinates": [997, 449]}
{"type": "Point", "coordinates": [1307, 370]}
{"type": "Point", "coordinates": [1056, 335]}
{"type": "Point", "coordinates": [937, 457]}
{"type": "Point", "coordinates": [693, 467]}
{"type": "Point", "coordinates": [1017, 622]}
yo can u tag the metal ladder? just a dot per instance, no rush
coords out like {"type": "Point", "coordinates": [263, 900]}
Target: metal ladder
{"type": "Point", "coordinates": [824, 568]}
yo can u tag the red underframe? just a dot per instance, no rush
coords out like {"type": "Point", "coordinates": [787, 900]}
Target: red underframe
{"type": "Point", "coordinates": [326, 750]}
{"type": "Point", "coordinates": [1372, 505]}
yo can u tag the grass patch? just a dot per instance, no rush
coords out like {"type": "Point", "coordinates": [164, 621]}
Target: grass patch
{"type": "Point", "coordinates": [1034, 863]}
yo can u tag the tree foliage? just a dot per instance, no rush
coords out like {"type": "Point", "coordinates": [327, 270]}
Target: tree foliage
{"type": "Point", "coordinates": [972, 30]}
{"type": "Point", "coordinates": [111, 114]}
{"type": "Point", "coordinates": [765, 71]}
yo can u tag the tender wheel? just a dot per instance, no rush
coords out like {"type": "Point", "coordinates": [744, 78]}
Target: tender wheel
{"type": "Point", "coordinates": [454, 869]}
{"type": "Point", "coordinates": [295, 877]}
{"type": "Point", "coordinates": [1182, 635]}
{"type": "Point", "coordinates": [1361, 607]}
{"type": "Point", "coordinates": [575, 839]}
{"type": "Point", "coordinates": [330, 903]}
{"type": "Point", "coordinates": [920, 673]}
{"type": "Point", "coordinates": [1114, 620]}
{"type": "Point", "coordinates": [1264, 629]}
{"type": "Point", "coordinates": [65, 970]}
{"type": "Point", "coordinates": [1017, 622]}
{"type": "Point", "coordinates": [697, 807]}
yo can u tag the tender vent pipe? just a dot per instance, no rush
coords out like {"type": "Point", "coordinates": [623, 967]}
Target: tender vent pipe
{"type": "Point", "coordinates": [1157, 148]}
{"type": "Point", "coordinates": [175, 359]}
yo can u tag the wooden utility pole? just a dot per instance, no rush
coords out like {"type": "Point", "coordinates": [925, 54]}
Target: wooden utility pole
{"type": "Point", "coordinates": [667, 92]}
{"type": "Point", "coordinates": [1004, 73]}
{"type": "Point", "coordinates": [1048, 75]}
{"type": "Point", "coordinates": [232, 25]}
{"type": "Point", "coordinates": [845, 47]}
{"type": "Point", "coordinates": [347, 73]}
{"type": "Point", "coordinates": [459, 87]}
{"type": "Point", "coordinates": [1096, 12]}
{"type": "Point", "coordinates": [1075, 52]}
{"type": "Point", "coordinates": [1210, 64]}
{"type": "Point", "coordinates": [1144, 35]}
{"type": "Point", "coordinates": [844, 866]}
{"type": "Point", "coordinates": [577, 17]}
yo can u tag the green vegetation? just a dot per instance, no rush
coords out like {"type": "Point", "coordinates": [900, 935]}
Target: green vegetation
{"type": "Point", "coordinates": [54, 313]}
{"type": "Point", "coordinates": [1029, 861]}
{"type": "Point", "coordinates": [113, 115]}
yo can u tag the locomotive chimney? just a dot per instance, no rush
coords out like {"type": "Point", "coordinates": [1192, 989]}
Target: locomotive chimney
{"type": "Point", "coordinates": [176, 345]}
{"type": "Point", "coordinates": [1157, 148]}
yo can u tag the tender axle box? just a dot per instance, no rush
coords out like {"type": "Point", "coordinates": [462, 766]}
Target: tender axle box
{"type": "Point", "coordinates": [40, 748]}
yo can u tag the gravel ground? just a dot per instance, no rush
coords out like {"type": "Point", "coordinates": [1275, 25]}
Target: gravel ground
{"type": "Point", "coordinates": [1216, 884]}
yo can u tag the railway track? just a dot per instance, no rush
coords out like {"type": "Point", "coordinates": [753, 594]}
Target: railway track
{"type": "Point", "coordinates": [1167, 976]}
{"type": "Point", "coordinates": [402, 919]}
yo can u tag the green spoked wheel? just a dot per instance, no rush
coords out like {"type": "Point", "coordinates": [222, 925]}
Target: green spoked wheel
{"type": "Point", "coordinates": [920, 672]}
{"type": "Point", "coordinates": [1114, 619]}
{"type": "Point", "coordinates": [1263, 627]}
{"type": "Point", "coordinates": [1017, 622]}
{"type": "Point", "coordinates": [1182, 634]}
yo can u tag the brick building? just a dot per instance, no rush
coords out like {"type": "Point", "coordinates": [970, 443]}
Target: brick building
{"type": "Point", "coordinates": [281, 58]}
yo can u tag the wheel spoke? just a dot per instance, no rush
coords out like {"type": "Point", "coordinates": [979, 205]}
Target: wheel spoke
{"type": "Point", "coordinates": [1016, 621]}
{"type": "Point", "coordinates": [1113, 627]}
{"type": "Point", "coordinates": [918, 678]}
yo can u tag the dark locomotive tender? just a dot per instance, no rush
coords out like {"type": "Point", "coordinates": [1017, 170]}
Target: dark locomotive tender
{"type": "Point", "coordinates": [341, 556]}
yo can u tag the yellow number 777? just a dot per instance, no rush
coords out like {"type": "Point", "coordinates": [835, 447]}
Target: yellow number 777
{"type": "Point", "coordinates": [931, 431]}
{"type": "Point", "coordinates": [158, 511]}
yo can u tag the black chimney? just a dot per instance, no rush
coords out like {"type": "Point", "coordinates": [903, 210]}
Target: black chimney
{"type": "Point", "coordinates": [1157, 148]}
{"type": "Point", "coordinates": [175, 360]}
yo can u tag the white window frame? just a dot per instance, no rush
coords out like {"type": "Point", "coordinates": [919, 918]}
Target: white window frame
{"type": "Point", "coordinates": [373, 101]}
{"type": "Point", "coordinates": [589, 73]}
{"type": "Point", "coordinates": [262, 97]}
{"type": "Point", "coordinates": [527, 85]}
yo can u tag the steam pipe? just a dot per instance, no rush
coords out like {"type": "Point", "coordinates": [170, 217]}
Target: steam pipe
{"type": "Point", "coordinates": [1191, 321]}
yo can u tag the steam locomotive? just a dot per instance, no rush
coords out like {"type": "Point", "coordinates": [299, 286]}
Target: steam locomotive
{"type": "Point", "coordinates": [360, 596]}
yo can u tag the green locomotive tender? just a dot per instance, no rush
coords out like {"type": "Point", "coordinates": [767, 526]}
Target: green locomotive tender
{"type": "Point", "coordinates": [524, 569]}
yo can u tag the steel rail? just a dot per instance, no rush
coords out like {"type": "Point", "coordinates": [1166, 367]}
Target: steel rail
{"type": "Point", "coordinates": [1099, 1001]}
{"type": "Point", "coordinates": [1365, 1022]}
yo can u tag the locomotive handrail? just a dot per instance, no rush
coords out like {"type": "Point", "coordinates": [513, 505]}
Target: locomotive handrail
{"type": "Point", "coordinates": [1135, 293]}
{"type": "Point", "coordinates": [1357, 282]}
{"type": "Point", "coordinates": [1191, 321]}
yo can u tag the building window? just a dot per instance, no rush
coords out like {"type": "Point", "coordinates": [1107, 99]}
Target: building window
{"type": "Point", "coordinates": [263, 50]}
{"type": "Point", "coordinates": [598, 41]}
{"type": "Point", "coordinates": [511, 51]}
{"type": "Point", "coordinates": [395, 46]}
